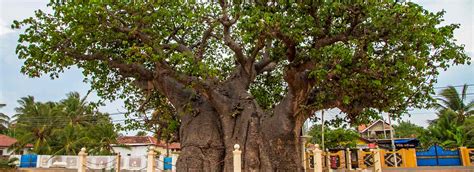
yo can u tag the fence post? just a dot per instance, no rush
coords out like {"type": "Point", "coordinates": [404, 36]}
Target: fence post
{"type": "Point", "coordinates": [82, 160]}
{"type": "Point", "coordinates": [117, 162]}
{"type": "Point", "coordinates": [151, 160]}
{"type": "Point", "coordinates": [328, 160]}
{"type": "Point", "coordinates": [465, 159]}
{"type": "Point", "coordinates": [237, 158]}
{"type": "Point", "coordinates": [377, 160]}
{"type": "Point", "coordinates": [317, 159]}
{"type": "Point", "coordinates": [348, 159]}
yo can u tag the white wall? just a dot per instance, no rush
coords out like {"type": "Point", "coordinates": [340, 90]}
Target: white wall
{"type": "Point", "coordinates": [140, 150]}
{"type": "Point", "coordinates": [7, 152]}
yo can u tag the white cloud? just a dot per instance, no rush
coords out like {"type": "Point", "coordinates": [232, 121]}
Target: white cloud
{"type": "Point", "coordinates": [4, 28]}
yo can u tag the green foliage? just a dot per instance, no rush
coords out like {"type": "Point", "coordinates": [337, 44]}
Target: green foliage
{"type": "Point", "coordinates": [8, 163]}
{"type": "Point", "coordinates": [4, 121]}
{"type": "Point", "coordinates": [447, 131]}
{"type": "Point", "coordinates": [452, 99]}
{"type": "Point", "coordinates": [62, 128]}
{"type": "Point", "coordinates": [454, 125]}
{"type": "Point", "coordinates": [357, 56]}
{"type": "Point", "coordinates": [163, 119]}
{"type": "Point", "coordinates": [334, 138]}
{"type": "Point", "coordinates": [141, 133]}
{"type": "Point", "coordinates": [406, 129]}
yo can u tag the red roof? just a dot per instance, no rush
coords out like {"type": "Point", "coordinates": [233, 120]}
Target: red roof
{"type": "Point", "coordinates": [361, 127]}
{"type": "Point", "coordinates": [174, 145]}
{"type": "Point", "coordinates": [6, 141]}
{"type": "Point", "coordinates": [136, 140]}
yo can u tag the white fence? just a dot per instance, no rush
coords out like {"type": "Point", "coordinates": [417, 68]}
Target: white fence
{"type": "Point", "coordinates": [148, 163]}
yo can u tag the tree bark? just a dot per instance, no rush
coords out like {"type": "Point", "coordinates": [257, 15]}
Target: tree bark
{"type": "Point", "coordinates": [229, 115]}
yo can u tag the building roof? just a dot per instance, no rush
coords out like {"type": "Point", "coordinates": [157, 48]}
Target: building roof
{"type": "Point", "coordinates": [362, 128]}
{"type": "Point", "coordinates": [173, 145]}
{"type": "Point", "coordinates": [6, 141]}
{"type": "Point", "coordinates": [136, 140]}
{"type": "Point", "coordinates": [146, 140]}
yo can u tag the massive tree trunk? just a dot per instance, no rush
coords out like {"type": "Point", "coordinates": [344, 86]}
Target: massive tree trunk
{"type": "Point", "coordinates": [229, 115]}
{"type": "Point", "coordinates": [269, 141]}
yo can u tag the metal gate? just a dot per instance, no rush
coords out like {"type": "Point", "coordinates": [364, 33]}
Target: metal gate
{"type": "Point", "coordinates": [437, 156]}
{"type": "Point", "coordinates": [28, 161]}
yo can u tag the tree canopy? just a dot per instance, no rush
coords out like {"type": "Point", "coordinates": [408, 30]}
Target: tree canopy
{"type": "Point", "coordinates": [353, 56]}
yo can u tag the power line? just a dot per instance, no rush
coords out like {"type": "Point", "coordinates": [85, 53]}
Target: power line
{"type": "Point", "coordinates": [453, 86]}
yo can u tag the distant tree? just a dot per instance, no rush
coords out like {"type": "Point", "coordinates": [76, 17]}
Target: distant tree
{"type": "Point", "coordinates": [4, 120]}
{"type": "Point", "coordinates": [141, 133]}
{"type": "Point", "coordinates": [452, 99]}
{"type": "Point", "coordinates": [334, 138]}
{"type": "Point", "coordinates": [406, 129]}
{"type": "Point", "coordinates": [101, 139]}
{"type": "Point", "coordinates": [64, 127]}
{"type": "Point", "coordinates": [446, 130]}
{"type": "Point", "coordinates": [469, 130]}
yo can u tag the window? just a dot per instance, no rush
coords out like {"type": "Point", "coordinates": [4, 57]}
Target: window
{"type": "Point", "coordinates": [1, 151]}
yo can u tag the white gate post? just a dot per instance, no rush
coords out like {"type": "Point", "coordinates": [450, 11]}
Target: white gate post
{"type": "Point", "coordinates": [348, 159]}
{"type": "Point", "coordinates": [377, 162]}
{"type": "Point", "coordinates": [317, 159]}
{"type": "Point", "coordinates": [82, 160]}
{"type": "Point", "coordinates": [328, 160]}
{"type": "Point", "coordinates": [117, 162]}
{"type": "Point", "coordinates": [237, 158]}
{"type": "Point", "coordinates": [151, 160]}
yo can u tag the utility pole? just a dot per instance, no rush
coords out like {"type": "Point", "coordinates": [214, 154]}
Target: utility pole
{"type": "Point", "coordinates": [322, 130]}
{"type": "Point", "coordinates": [393, 141]}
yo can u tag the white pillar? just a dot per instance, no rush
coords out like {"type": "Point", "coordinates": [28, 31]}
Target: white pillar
{"type": "Point", "coordinates": [328, 160]}
{"type": "Point", "coordinates": [377, 162]}
{"type": "Point", "coordinates": [237, 158]}
{"type": "Point", "coordinates": [82, 160]}
{"type": "Point", "coordinates": [348, 159]}
{"type": "Point", "coordinates": [151, 160]}
{"type": "Point", "coordinates": [117, 162]}
{"type": "Point", "coordinates": [317, 159]}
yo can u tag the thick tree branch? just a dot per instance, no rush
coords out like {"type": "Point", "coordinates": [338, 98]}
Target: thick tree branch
{"type": "Point", "coordinates": [228, 40]}
{"type": "Point", "coordinates": [203, 43]}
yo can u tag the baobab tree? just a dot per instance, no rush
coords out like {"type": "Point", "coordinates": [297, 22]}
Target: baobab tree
{"type": "Point", "coordinates": [246, 73]}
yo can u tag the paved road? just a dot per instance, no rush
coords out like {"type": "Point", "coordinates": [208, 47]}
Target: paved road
{"type": "Point", "coordinates": [432, 169]}
{"type": "Point", "coordinates": [422, 169]}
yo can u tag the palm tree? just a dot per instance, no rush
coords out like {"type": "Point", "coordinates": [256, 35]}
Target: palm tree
{"type": "Point", "coordinates": [4, 119]}
{"type": "Point", "coordinates": [447, 131]}
{"type": "Point", "coordinates": [451, 99]}
{"type": "Point", "coordinates": [34, 124]}
{"type": "Point", "coordinates": [102, 138]}
{"type": "Point", "coordinates": [70, 140]}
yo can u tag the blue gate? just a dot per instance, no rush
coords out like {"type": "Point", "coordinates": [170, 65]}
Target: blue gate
{"type": "Point", "coordinates": [28, 161]}
{"type": "Point", "coordinates": [437, 156]}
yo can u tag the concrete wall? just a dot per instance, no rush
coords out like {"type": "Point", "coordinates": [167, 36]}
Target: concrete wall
{"type": "Point", "coordinates": [5, 151]}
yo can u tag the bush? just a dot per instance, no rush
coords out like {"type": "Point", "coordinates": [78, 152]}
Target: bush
{"type": "Point", "coordinates": [8, 163]}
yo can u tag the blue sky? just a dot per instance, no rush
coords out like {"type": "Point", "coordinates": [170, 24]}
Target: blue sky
{"type": "Point", "coordinates": [14, 85]}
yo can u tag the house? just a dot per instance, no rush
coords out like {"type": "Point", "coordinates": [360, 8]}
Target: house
{"type": "Point", "coordinates": [378, 133]}
{"type": "Point", "coordinates": [377, 130]}
{"type": "Point", "coordinates": [6, 142]}
{"type": "Point", "coordinates": [139, 145]}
